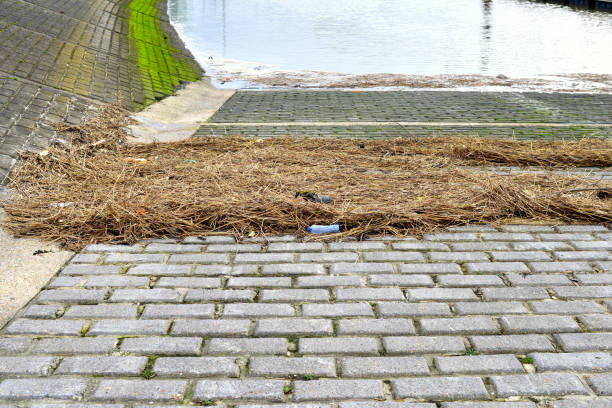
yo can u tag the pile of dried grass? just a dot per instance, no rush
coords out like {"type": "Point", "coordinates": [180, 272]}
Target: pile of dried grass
{"type": "Point", "coordinates": [102, 191]}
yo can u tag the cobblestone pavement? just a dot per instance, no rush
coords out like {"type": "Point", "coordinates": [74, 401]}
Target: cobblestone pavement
{"type": "Point", "coordinates": [517, 317]}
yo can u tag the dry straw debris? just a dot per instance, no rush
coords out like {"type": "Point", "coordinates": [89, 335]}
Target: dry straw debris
{"type": "Point", "coordinates": [101, 189]}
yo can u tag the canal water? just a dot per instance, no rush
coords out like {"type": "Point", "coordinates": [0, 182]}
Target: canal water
{"type": "Point", "coordinates": [251, 39]}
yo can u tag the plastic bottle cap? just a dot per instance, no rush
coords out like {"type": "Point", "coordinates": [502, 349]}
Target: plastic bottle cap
{"type": "Point", "coordinates": [308, 229]}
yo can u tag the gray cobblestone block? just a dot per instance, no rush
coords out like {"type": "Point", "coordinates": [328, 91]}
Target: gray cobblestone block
{"type": "Point", "coordinates": [560, 267]}
{"type": "Point", "coordinates": [451, 236]}
{"type": "Point", "coordinates": [294, 327]}
{"type": "Point", "coordinates": [526, 228]}
{"type": "Point", "coordinates": [195, 311]}
{"type": "Point", "coordinates": [328, 281]}
{"type": "Point", "coordinates": [196, 367]}
{"type": "Point", "coordinates": [113, 248]}
{"type": "Point", "coordinates": [67, 281]}
{"type": "Point", "coordinates": [364, 327]}
{"type": "Point", "coordinates": [145, 295]}
{"type": "Point", "coordinates": [293, 269]}
{"type": "Point", "coordinates": [172, 248]}
{"type": "Point", "coordinates": [82, 296]}
{"type": "Point", "coordinates": [272, 238]}
{"type": "Point", "coordinates": [289, 367]}
{"type": "Point", "coordinates": [76, 345]}
{"type": "Point", "coordinates": [538, 324]}
{"type": "Point", "coordinates": [338, 310]}
{"type": "Point", "coordinates": [45, 327]}
{"type": "Point", "coordinates": [443, 294]}
{"type": "Point", "coordinates": [159, 270]}
{"type": "Point", "coordinates": [247, 346]}
{"type": "Point", "coordinates": [83, 405]}
{"type": "Point", "coordinates": [294, 295]}
{"type": "Point", "coordinates": [440, 388]}
{"type": "Point", "coordinates": [538, 280]}
{"type": "Point", "coordinates": [605, 266]}
{"type": "Point", "coordinates": [220, 328]}
{"type": "Point", "coordinates": [357, 246]}
{"type": "Point", "coordinates": [179, 282]}
{"type": "Point", "coordinates": [548, 384]}
{"type": "Point", "coordinates": [520, 256]}
{"type": "Point", "coordinates": [368, 294]}
{"type": "Point", "coordinates": [594, 278]}
{"type": "Point", "coordinates": [127, 327]}
{"type": "Point", "coordinates": [507, 236]}
{"type": "Point", "coordinates": [582, 255]}
{"type": "Point", "coordinates": [339, 345]}
{"type": "Point", "coordinates": [263, 258]}
{"type": "Point", "coordinates": [496, 267]}
{"type": "Point", "coordinates": [140, 390]}
{"type": "Point", "coordinates": [360, 268]}
{"type": "Point", "coordinates": [42, 311]}
{"type": "Point", "coordinates": [134, 258]}
{"type": "Point", "coordinates": [489, 364]}
{"type": "Point", "coordinates": [401, 280]}
{"type": "Point", "coordinates": [217, 295]}
{"type": "Point", "coordinates": [430, 269]}
{"type": "Point", "coordinates": [468, 281]}
{"type": "Point", "coordinates": [101, 311]}
{"type": "Point", "coordinates": [522, 404]}
{"type": "Point", "coordinates": [207, 258]}
{"type": "Point", "coordinates": [583, 292]}
{"type": "Point", "coordinates": [600, 383]}
{"type": "Point", "coordinates": [393, 256]}
{"type": "Point", "coordinates": [424, 345]}
{"type": "Point", "coordinates": [14, 345]}
{"type": "Point", "coordinates": [516, 344]}
{"type": "Point", "coordinates": [384, 404]}
{"type": "Point", "coordinates": [233, 248]}
{"type": "Point", "coordinates": [571, 342]}
{"type": "Point", "coordinates": [566, 307]}
{"type": "Point", "coordinates": [53, 388]}
{"type": "Point", "coordinates": [581, 228]}
{"type": "Point", "coordinates": [259, 282]}
{"type": "Point", "coordinates": [575, 403]}
{"type": "Point", "coordinates": [237, 390]}
{"type": "Point", "coordinates": [328, 257]}
{"type": "Point", "coordinates": [459, 325]}
{"type": "Point", "coordinates": [323, 390]}
{"type": "Point", "coordinates": [419, 246]}
{"type": "Point", "coordinates": [212, 239]}
{"type": "Point", "coordinates": [584, 362]}
{"type": "Point", "coordinates": [566, 237]}
{"type": "Point", "coordinates": [295, 247]}
{"type": "Point", "coordinates": [541, 246]}
{"type": "Point", "coordinates": [116, 281]}
{"type": "Point", "coordinates": [258, 310]}
{"type": "Point", "coordinates": [592, 245]}
{"type": "Point", "coordinates": [522, 293]}
{"type": "Point", "coordinates": [34, 366]}
{"type": "Point", "coordinates": [173, 346]}
{"type": "Point", "coordinates": [459, 257]}
{"type": "Point", "coordinates": [607, 236]}
{"type": "Point", "coordinates": [596, 322]}
{"type": "Point", "coordinates": [403, 309]}
{"type": "Point", "coordinates": [383, 366]}
{"type": "Point", "coordinates": [489, 308]}
{"type": "Point", "coordinates": [85, 258]}
{"type": "Point", "coordinates": [113, 365]}
{"type": "Point", "coordinates": [479, 246]}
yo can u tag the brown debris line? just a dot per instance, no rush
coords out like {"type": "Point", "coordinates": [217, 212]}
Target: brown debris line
{"type": "Point", "coordinates": [106, 191]}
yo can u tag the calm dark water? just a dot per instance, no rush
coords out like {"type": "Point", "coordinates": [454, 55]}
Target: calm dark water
{"type": "Point", "coordinates": [420, 37]}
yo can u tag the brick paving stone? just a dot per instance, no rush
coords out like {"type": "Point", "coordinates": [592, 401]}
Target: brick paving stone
{"type": "Point", "coordinates": [53, 388]}
{"type": "Point", "coordinates": [33, 366]}
{"type": "Point", "coordinates": [133, 258]}
{"type": "Point", "coordinates": [522, 293]}
{"type": "Point", "coordinates": [526, 228]}
{"type": "Point", "coordinates": [497, 267]}
{"type": "Point", "coordinates": [435, 268]}
{"type": "Point", "coordinates": [596, 322]}
{"type": "Point", "coordinates": [328, 281]}
{"type": "Point", "coordinates": [258, 390]}
{"type": "Point", "coordinates": [419, 246]}
{"type": "Point", "coordinates": [583, 292]}
{"type": "Point", "coordinates": [130, 327]}
{"type": "Point", "coordinates": [140, 390]}
{"type": "Point", "coordinates": [369, 294]}
{"type": "Point", "coordinates": [172, 248]}
{"type": "Point", "coordinates": [45, 327]}
{"type": "Point", "coordinates": [440, 388]}
{"type": "Point", "coordinates": [196, 367]}
{"type": "Point", "coordinates": [289, 367]}
{"type": "Point", "coordinates": [293, 269]}
{"type": "Point", "coordinates": [356, 367]}
{"type": "Point", "coordinates": [85, 258]}
{"type": "Point", "coordinates": [468, 281]}
{"type": "Point", "coordinates": [384, 404]}
{"type": "Point", "coordinates": [328, 257]}
{"type": "Point", "coordinates": [357, 246]}
{"type": "Point", "coordinates": [459, 325]}
{"type": "Point", "coordinates": [364, 327]}
{"type": "Point", "coordinates": [582, 362]}
{"type": "Point", "coordinates": [251, 282]}
{"type": "Point", "coordinates": [113, 365]}
{"type": "Point", "coordinates": [195, 311]}
{"type": "Point", "coordinates": [295, 295]}
{"type": "Point", "coordinates": [549, 384]}
{"type": "Point", "coordinates": [440, 294]}
{"type": "Point", "coordinates": [520, 256]}
{"type": "Point", "coordinates": [207, 258]}
{"type": "Point", "coordinates": [479, 246]}
{"type": "Point", "coordinates": [594, 278]}
{"type": "Point", "coordinates": [295, 247]}
{"type": "Point", "coordinates": [397, 309]}
{"type": "Point", "coordinates": [582, 255]}
{"type": "Point", "coordinates": [294, 327]}
{"type": "Point", "coordinates": [42, 311]}
{"type": "Point", "coordinates": [338, 345]}
{"type": "Point", "coordinates": [113, 248]}
{"type": "Point", "coordinates": [458, 257]}
{"type": "Point", "coordinates": [393, 256]}
{"type": "Point", "coordinates": [322, 390]}
{"type": "Point", "coordinates": [101, 311]}
{"type": "Point", "coordinates": [103, 281]}
{"type": "Point", "coordinates": [82, 296]}
{"type": "Point", "coordinates": [541, 246]}
{"type": "Point", "coordinates": [360, 268]}
{"type": "Point", "coordinates": [521, 404]}
{"type": "Point", "coordinates": [67, 281]}
{"type": "Point", "coordinates": [516, 344]}
{"type": "Point", "coordinates": [537, 280]}
{"type": "Point", "coordinates": [203, 283]}
{"type": "Point", "coordinates": [400, 280]}
{"type": "Point", "coordinates": [216, 295]}
{"type": "Point", "coordinates": [489, 308]}
{"type": "Point", "coordinates": [584, 341]}
{"type": "Point", "coordinates": [423, 345]}
{"type": "Point", "coordinates": [600, 383]}
{"type": "Point", "coordinates": [605, 266]}
{"type": "Point", "coordinates": [538, 324]}
{"type": "Point", "coordinates": [234, 248]}
{"type": "Point", "coordinates": [247, 346]}
{"type": "Point", "coordinates": [592, 245]}
{"type": "Point", "coordinates": [13, 345]}
{"type": "Point", "coordinates": [338, 310]}
{"type": "Point", "coordinates": [76, 345]}
{"type": "Point", "coordinates": [507, 236]}
{"type": "Point", "coordinates": [258, 310]}
{"type": "Point", "coordinates": [213, 239]}
{"type": "Point", "coordinates": [159, 270]}
{"type": "Point", "coordinates": [489, 364]}
{"type": "Point", "coordinates": [566, 237]}
{"type": "Point", "coordinates": [173, 346]}
{"type": "Point", "coordinates": [451, 236]}
{"type": "Point", "coordinates": [220, 328]}
{"type": "Point", "coordinates": [575, 403]}
{"type": "Point", "coordinates": [145, 295]}
{"type": "Point", "coordinates": [560, 267]}
{"type": "Point", "coordinates": [566, 307]}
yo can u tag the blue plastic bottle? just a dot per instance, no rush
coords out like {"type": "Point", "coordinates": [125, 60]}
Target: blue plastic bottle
{"type": "Point", "coordinates": [323, 229]}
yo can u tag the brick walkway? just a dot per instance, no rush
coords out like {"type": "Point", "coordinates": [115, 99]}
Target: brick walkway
{"type": "Point", "coordinates": [520, 315]}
